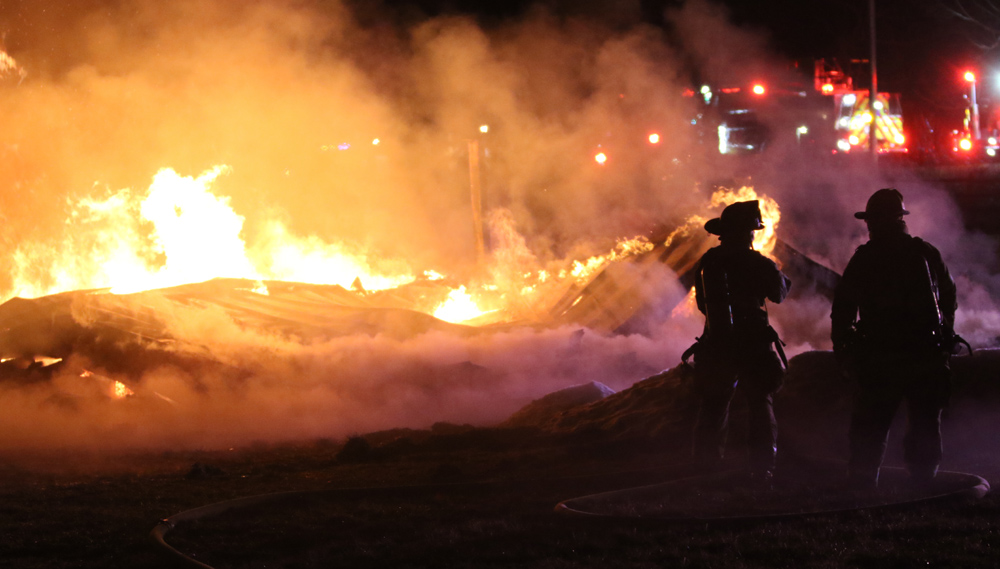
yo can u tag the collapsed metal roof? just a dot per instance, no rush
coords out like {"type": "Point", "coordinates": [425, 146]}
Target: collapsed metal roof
{"type": "Point", "coordinates": [132, 332]}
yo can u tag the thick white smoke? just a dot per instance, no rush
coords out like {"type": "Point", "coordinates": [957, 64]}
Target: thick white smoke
{"type": "Point", "coordinates": [119, 89]}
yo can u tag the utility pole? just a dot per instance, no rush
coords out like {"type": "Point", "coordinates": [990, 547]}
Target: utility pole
{"type": "Point", "coordinates": [975, 111]}
{"type": "Point", "coordinates": [873, 93]}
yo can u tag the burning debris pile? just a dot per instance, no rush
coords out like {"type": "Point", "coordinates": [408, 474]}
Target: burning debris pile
{"type": "Point", "coordinates": [135, 325]}
{"type": "Point", "coordinates": [329, 276]}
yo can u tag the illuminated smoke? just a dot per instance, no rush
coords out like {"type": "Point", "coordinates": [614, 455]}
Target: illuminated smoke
{"type": "Point", "coordinates": [291, 96]}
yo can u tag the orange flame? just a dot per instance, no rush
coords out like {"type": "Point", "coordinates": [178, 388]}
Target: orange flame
{"type": "Point", "coordinates": [687, 307]}
{"type": "Point", "coordinates": [459, 307]}
{"type": "Point", "coordinates": [180, 232]}
{"type": "Point", "coordinates": [120, 391]}
{"type": "Point", "coordinates": [765, 239]}
{"type": "Point", "coordinates": [763, 242]}
{"type": "Point", "coordinates": [623, 249]}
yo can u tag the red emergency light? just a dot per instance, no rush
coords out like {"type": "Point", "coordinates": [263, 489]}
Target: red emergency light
{"type": "Point", "coordinates": [758, 89]}
{"type": "Point", "coordinates": [970, 77]}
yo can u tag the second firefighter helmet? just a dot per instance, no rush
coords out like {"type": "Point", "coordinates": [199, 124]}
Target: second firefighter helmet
{"type": "Point", "coordinates": [886, 203]}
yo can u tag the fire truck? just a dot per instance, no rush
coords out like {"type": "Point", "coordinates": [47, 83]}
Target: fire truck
{"type": "Point", "coordinates": [856, 116]}
{"type": "Point", "coordinates": [827, 114]}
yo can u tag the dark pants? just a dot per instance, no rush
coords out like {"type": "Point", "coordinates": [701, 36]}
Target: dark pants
{"type": "Point", "coordinates": [885, 383]}
{"type": "Point", "coordinates": [758, 372]}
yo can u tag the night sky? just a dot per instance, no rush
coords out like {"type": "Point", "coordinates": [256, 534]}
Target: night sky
{"type": "Point", "coordinates": [923, 48]}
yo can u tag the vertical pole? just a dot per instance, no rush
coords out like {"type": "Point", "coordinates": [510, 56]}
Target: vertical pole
{"type": "Point", "coordinates": [873, 94]}
{"type": "Point", "coordinates": [477, 201]}
{"type": "Point", "coordinates": [975, 112]}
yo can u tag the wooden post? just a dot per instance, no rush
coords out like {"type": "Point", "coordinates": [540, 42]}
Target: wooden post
{"type": "Point", "coordinates": [477, 201]}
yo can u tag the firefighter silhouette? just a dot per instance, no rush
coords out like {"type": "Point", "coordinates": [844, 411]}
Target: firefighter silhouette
{"type": "Point", "coordinates": [892, 330]}
{"type": "Point", "coordinates": [738, 345]}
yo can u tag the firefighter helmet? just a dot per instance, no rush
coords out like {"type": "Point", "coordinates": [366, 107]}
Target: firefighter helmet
{"type": "Point", "coordinates": [740, 216]}
{"type": "Point", "coordinates": [886, 203]}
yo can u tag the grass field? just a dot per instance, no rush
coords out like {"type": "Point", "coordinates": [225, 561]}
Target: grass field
{"type": "Point", "coordinates": [475, 499]}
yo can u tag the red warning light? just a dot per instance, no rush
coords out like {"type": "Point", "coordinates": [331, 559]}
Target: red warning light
{"type": "Point", "coordinates": [970, 77]}
{"type": "Point", "coordinates": [827, 88]}
{"type": "Point", "coordinates": [758, 89]}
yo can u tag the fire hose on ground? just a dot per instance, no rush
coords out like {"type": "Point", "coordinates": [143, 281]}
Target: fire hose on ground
{"type": "Point", "coordinates": [166, 525]}
{"type": "Point", "coordinates": [964, 486]}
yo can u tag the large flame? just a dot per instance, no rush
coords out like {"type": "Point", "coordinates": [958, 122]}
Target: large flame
{"type": "Point", "coordinates": [764, 239]}
{"type": "Point", "coordinates": [459, 307]}
{"type": "Point", "coordinates": [178, 231]}
{"type": "Point", "coordinates": [197, 233]}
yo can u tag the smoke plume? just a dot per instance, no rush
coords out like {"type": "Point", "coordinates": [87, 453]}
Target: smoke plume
{"type": "Point", "coordinates": [292, 97]}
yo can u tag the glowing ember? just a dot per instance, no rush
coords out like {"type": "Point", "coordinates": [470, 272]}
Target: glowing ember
{"type": "Point", "coordinates": [115, 389]}
{"type": "Point", "coordinates": [261, 288]}
{"type": "Point", "coordinates": [120, 391]}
